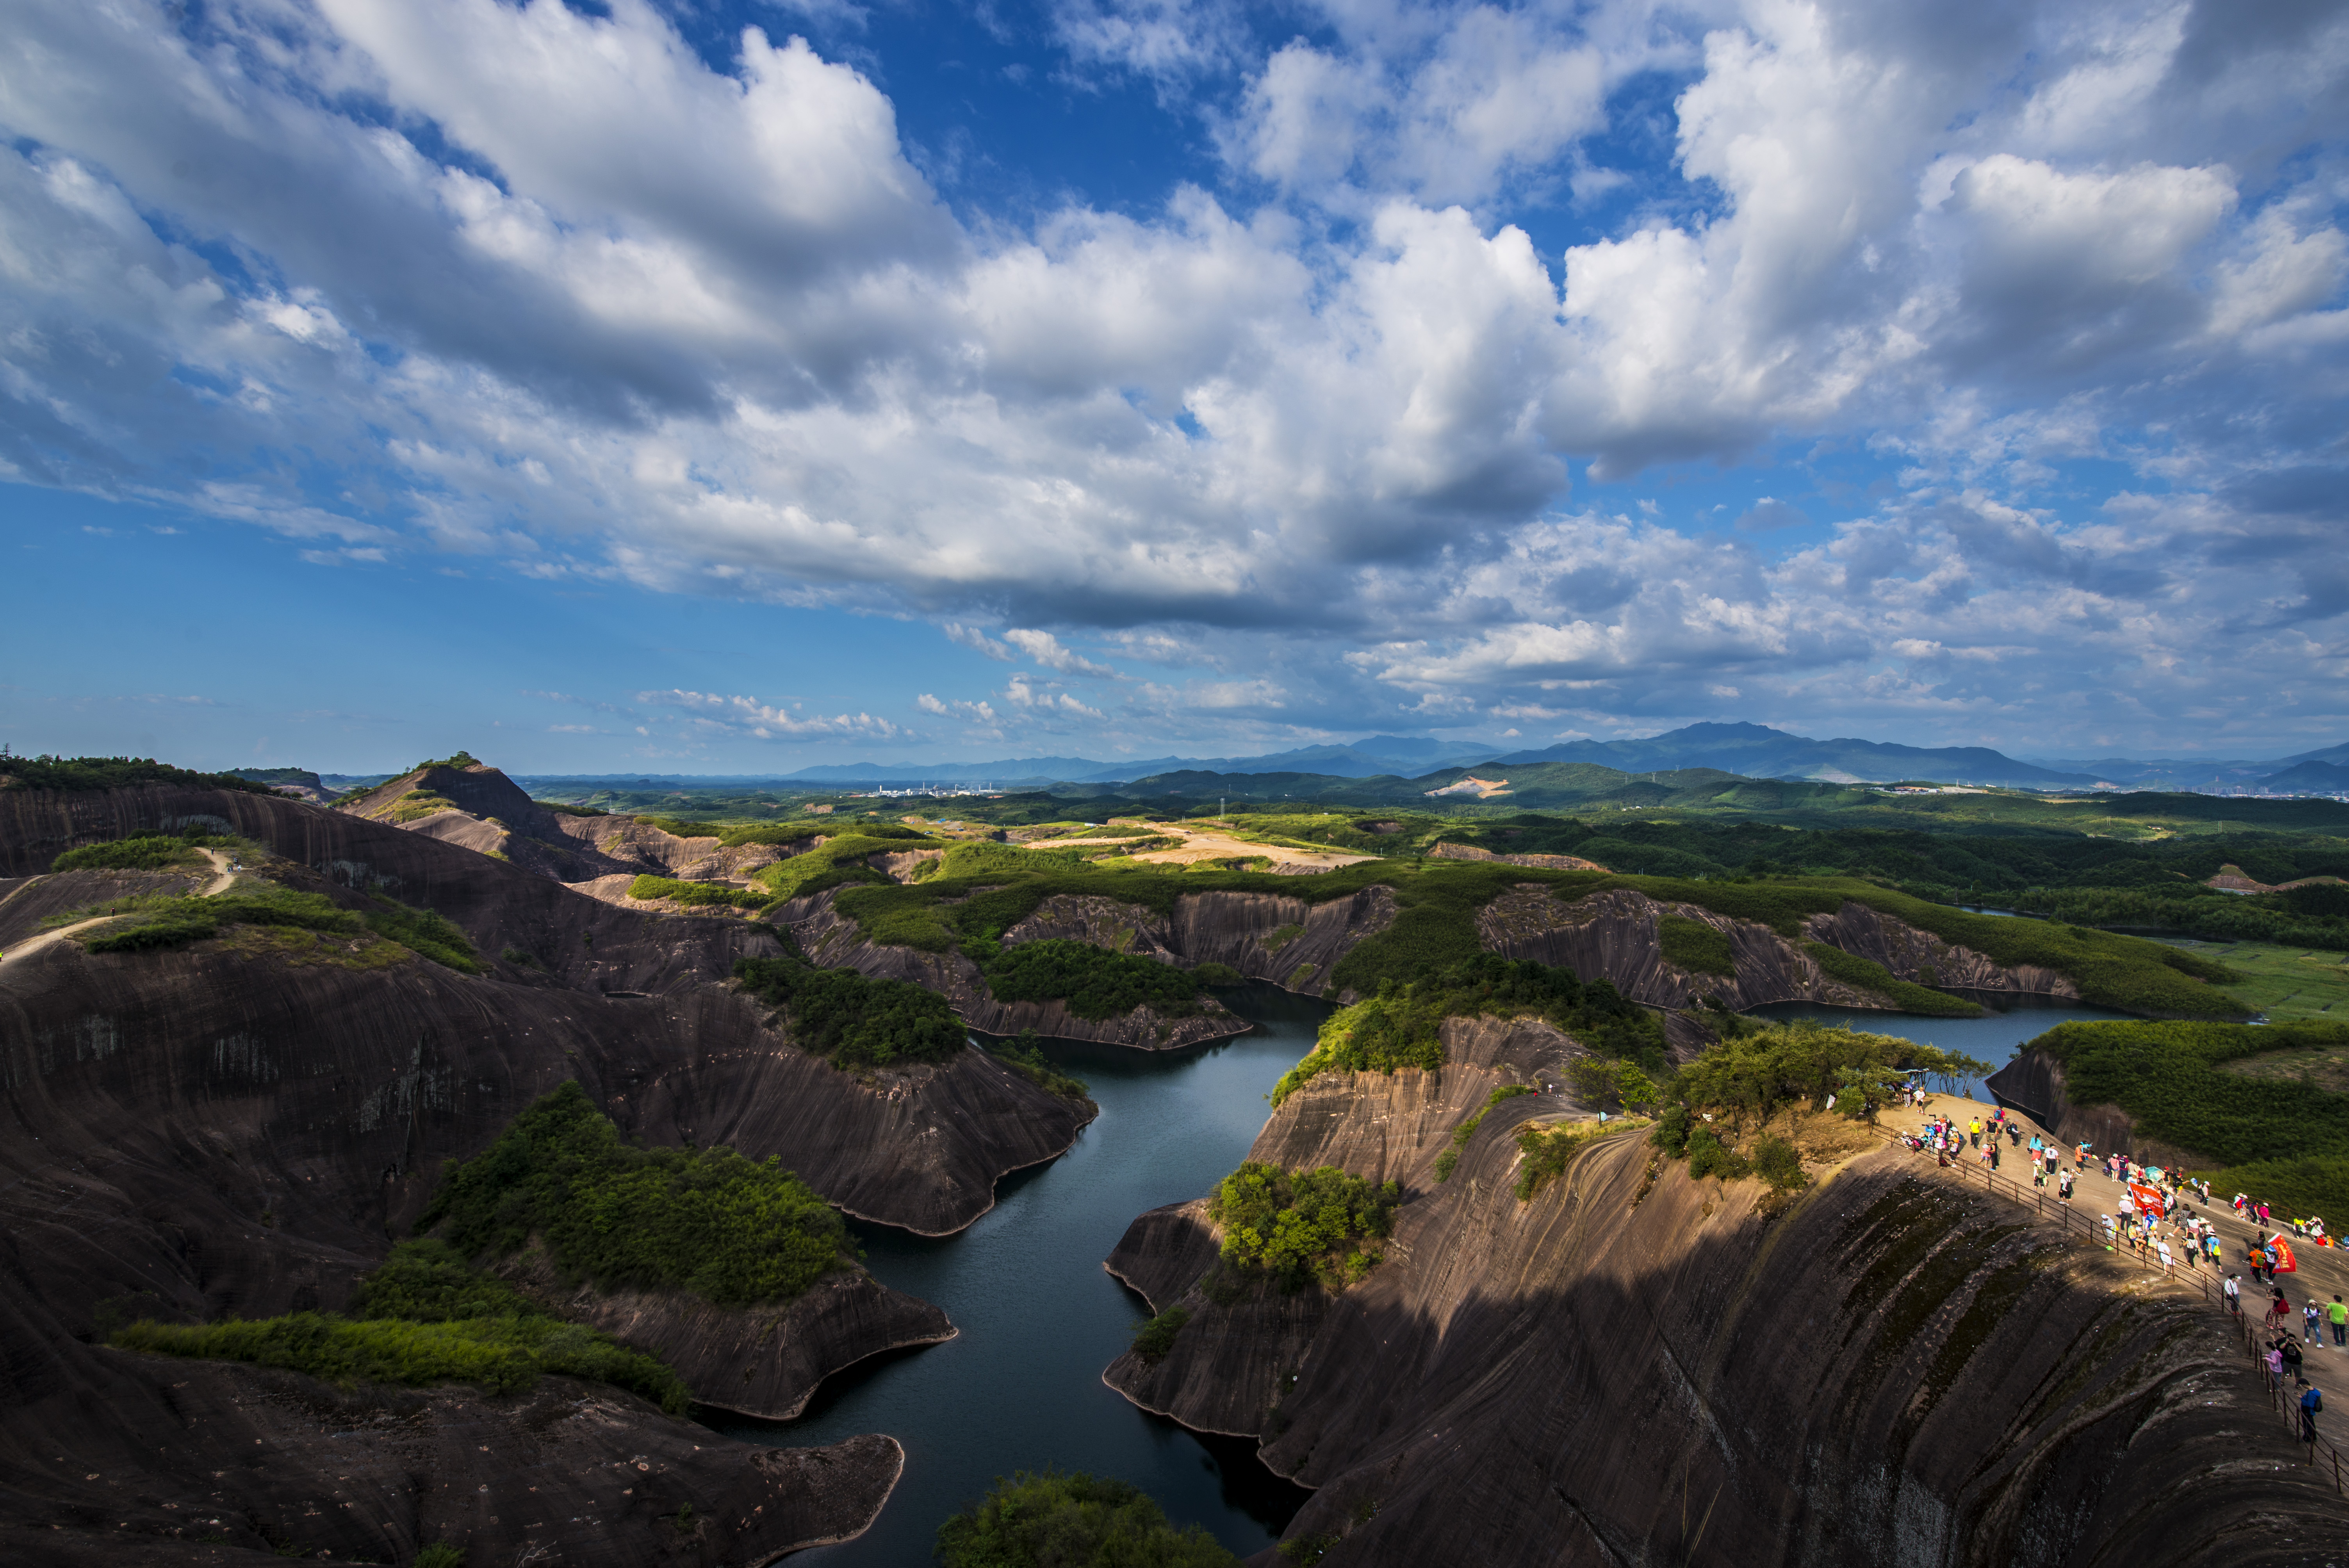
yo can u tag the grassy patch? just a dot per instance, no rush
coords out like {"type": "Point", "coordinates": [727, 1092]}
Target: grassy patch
{"type": "Point", "coordinates": [2286, 984]}
{"type": "Point", "coordinates": [147, 851]}
{"type": "Point", "coordinates": [1297, 1229]}
{"type": "Point", "coordinates": [1693, 945]}
{"type": "Point", "coordinates": [835, 862]}
{"type": "Point", "coordinates": [732, 1230]}
{"type": "Point", "coordinates": [156, 922]}
{"type": "Point", "coordinates": [1400, 1025]}
{"type": "Point", "coordinates": [1062, 1520]}
{"type": "Point", "coordinates": [1869, 976]}
{"type": "Point", "coordinates": [697, 893]}
{"type": "Point", "coordinates": [1547, 1154]}
{"type": "Point", "coordinates": [424, 1316]}
{"type": "Point", "coordinates": [501, 1354]}
{"type": "Point", "coordinates": [415, 805]}
{"type": "Point", "coordinates": [852, 1021]}
{"type": "Point", "coordinates": [1449, 1158]}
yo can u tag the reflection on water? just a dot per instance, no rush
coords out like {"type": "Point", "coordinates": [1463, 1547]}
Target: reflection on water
{"type": "Point", "coordinates": [1020, 1388]}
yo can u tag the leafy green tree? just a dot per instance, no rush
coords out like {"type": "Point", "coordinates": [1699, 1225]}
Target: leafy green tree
{"type": "Point", "coordinates": [1056, 1519]}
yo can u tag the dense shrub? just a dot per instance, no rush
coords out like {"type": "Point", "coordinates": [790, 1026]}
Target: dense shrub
{"type": "Point", "coordinates": [1803, 1063]}
{"type": "Point", "coordinates": [732, 1230]}
{"type": "Point", "coordinates": [1156, 1337]}
{"type": "Point", "coordinates": [1399, 1026]}
{"type": "Point", "coordinates": [1095, 983]}
{"type": "Point", "coordinates": [1057, 1519]}
{"type": "Point", "coordinates": [1300, 1228]}
{"type": "Point", "coordinates": [424, 932]}
{"type": "Point", "coordinates": [852, 1021]}
{"type": "Point", "coordinates": [1693, 945]}
{"type": "Point", "coordinates": [1778, 1163]}
{"type": "Point", "coordinates": [77, 773]}
{"type": "Point", "coordinates": [427, 1281]}
{"type": "Point", "coordinates": [454, 759]}
{"type": "Point", "coordinates": [503, 1354]}
{"type": "Point", "coordinates": [149, 850]}
{"type": "Point", "coordinates": [698, 893]}
{"type": "Point", "coordinates": [1869, 976]}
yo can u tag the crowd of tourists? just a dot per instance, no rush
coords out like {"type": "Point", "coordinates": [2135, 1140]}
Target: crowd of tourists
{"type": "Point", "coordinates": [2155, 1216]}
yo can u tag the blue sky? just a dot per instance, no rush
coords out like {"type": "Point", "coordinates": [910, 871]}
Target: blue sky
{"type": "Point", "coordinates": [728, 388]}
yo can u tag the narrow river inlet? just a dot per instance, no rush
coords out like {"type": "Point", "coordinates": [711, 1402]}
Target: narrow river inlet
{"type": "Point", "coordinates": [1020, 1388]}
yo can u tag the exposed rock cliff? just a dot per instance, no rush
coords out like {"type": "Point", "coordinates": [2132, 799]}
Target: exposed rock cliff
{"type": "Point", "coordinates": [2033, 1083]}
{"type": "Point", "coordinates": [1639, 1368]}
{"type": "Point", "coordinates": [243, 1125]}
{"type": "Point", "coordinates": [833, 941]}
{"type": "Point", "coordinates": [1925, 959]}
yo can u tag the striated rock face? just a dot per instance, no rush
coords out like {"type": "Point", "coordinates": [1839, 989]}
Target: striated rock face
{"type": "Point", "coordinates": [1295, 944]}
{"type": "Point", "coordinates": [1225, 1373]}
{"type": "Point", "coordinates": [243, 1125]}
{"type": "Point", "coordinates": [2034, 1084]}
{"type": "Point", "coordinates": [1639, 1368]}
{"type": "Point", "coordinates": [1921, 956]}
{"type": "Point", "coordinates": [114, 1457]}
{"type": "Point", "coordinates": [762, 1361]}
{"type": "Point", "coordinates": [832, 940]}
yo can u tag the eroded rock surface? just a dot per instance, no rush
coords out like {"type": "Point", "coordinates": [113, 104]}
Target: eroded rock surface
{"type": "Point", "coordinates": [2033, 1083]}
{"type": "Point", "coordinates": [1635, 1367]}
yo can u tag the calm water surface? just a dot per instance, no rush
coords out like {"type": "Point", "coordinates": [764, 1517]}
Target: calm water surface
{"type": "Point", "coordinates": [1994, 1037]}
{"type": "Point", "coordinates": [1020, 1388]}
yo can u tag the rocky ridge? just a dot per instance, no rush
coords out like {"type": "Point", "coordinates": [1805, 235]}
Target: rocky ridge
{"type": "Point", "coordinates": [243, 1125]}
{"type": "Point", "coordinates": [1638, 1367]}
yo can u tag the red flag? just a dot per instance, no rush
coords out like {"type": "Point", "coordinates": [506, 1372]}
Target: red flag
{"type": "Point", "coordinates": [2150, 1200]}
{"type": "Point", "coordinates": [2281, 1250]}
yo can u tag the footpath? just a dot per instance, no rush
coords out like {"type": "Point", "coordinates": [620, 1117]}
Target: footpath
{"type": "Point", "coordinates": [223, 877]}
{"type": "Point", "coordinates": [2324, 1272]}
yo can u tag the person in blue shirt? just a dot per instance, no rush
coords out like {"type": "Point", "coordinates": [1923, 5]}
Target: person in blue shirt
{"type": "Point", "coordinates": [2311, 1402]}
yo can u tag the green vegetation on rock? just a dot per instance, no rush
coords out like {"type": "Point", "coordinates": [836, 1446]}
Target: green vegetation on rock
{"type": "Point", "coordinates": [852, 1021]}
{"type": "Point", "coordinates": [1756, 1073]}
{"type": "Point", "coordinates": [1297, 1229]}
{"type": "Point", "coordinates": [1869, 976]}
{"type": "Point", "coordinates": [148, 850]}
{"type": "Point", "coordinates": [157, 922]}
{"type": "Point", "coordinates": [732, 1230]}
{"type": "Point", "coordinates": [1156, 1337]}
{"type": "Point", "coordinates": [2284, 1142]}
{"type": "Point", "coordinates": [1693, 945]}
{"type": "Point", "coordinates": [1070, 1519]}
{"type": "Point", "coordinates": [81, 773]}
{"type": "Point", "coordinates": [1400, 1025]}
{"type": "Point", "coordinates": [1447, 1161]}
{"type": "Point", "coordinates": [454, 759]}
{"type": "Point", "coordinates": [1024, 1055]}
{"type": "Point", "coordinates": [698, 893]}
{"type": "Point", "coordinates": [1548, 1151]}
{"type": "Point", "coordinates": [836, 861]}
{"type": "Point", "coordinates": [503, 1354]}
{"type": "Point", "coordinates": [1094, 983]}
{"type": "Point", "coordinates": [423, 1316]}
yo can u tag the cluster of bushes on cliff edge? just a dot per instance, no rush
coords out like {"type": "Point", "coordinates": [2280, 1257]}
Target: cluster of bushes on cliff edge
{"type": "Point", "coordinates": [853, 1021]}
{"type": "Point", "coordinates": [46, 772]}
{"type": "Point", "coordinates": [1070, 1519]}
{"type": "Point", "coordinates": [698, 893]}
{"type": "Point", "coordinates": [1757, 1073]}
{"type": "Point", "coordinates": [836, 863]}
{"type": "Point", "coordinates": [1024, 1054]}
{"type": "Point", "coordinates": [149, 849]}
{"type": "Point", "coordinates": [1869, 976]}
{"type": "Point", "coordinates": [423, 1317]}
{"type": "Point", "coordinates": [158, 922]}
{"type": "Point", "coordinates": [732, 1230]}
{"type": "Point", "coordinates": [1093, 981]}
{"type": "Point", "coordinates": [1399, 1026]}
{"type": "Point", "coordinates": [2286, 1143]}
{"type": "Point", "coordinates": [1297, 1229]}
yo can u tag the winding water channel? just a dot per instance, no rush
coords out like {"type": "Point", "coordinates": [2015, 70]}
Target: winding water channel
{"type": "Point", "coordinates": [1020, 1388]}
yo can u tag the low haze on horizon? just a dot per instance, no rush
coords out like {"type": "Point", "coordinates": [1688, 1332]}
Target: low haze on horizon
{"type": "Point", "coordinates": [733, 388]}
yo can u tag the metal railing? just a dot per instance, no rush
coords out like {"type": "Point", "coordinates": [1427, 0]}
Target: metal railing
{"type": "Point", "coordinates": [2059, 1211]}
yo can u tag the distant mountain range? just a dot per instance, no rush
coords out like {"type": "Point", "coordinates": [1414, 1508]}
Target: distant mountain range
{"type": "Point", "coordinates": [1379, 756]}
